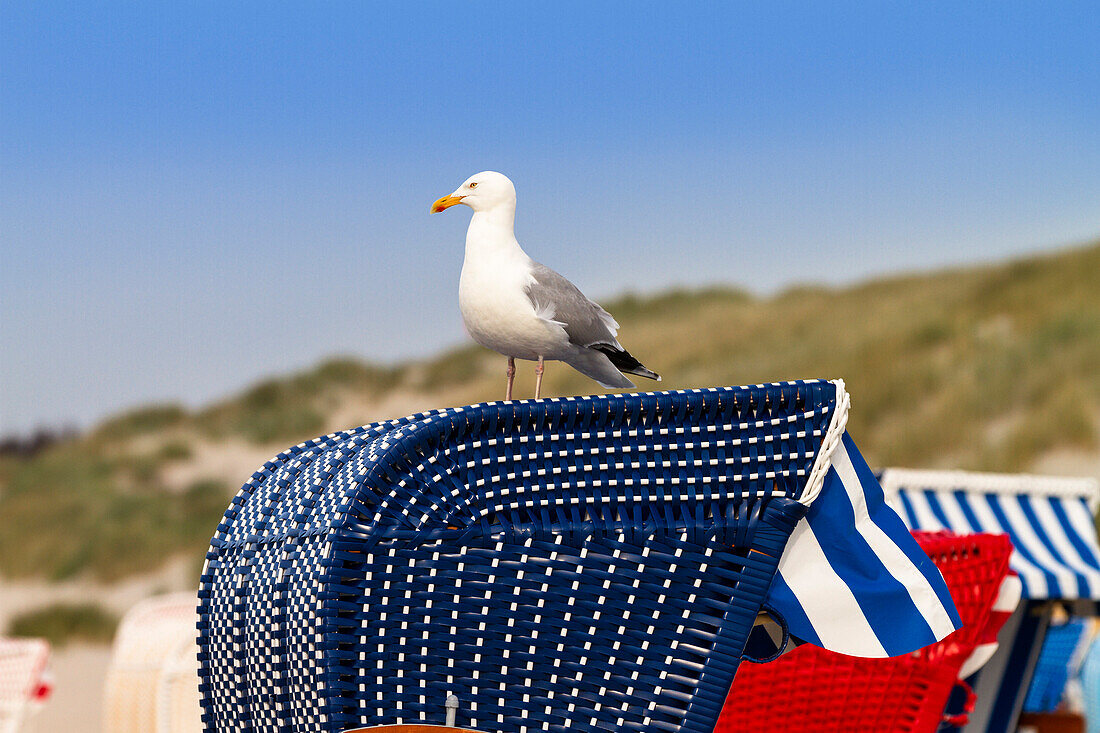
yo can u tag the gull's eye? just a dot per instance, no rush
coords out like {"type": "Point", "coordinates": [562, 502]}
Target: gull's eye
{"type": "Point", "coordinates": [473, 185]}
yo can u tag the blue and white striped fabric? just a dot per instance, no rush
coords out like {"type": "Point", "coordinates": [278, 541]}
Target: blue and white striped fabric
{"type": "Point", "coordinates": [852, 579]}
{"type": "Point", "coordinates": [1050, 521]}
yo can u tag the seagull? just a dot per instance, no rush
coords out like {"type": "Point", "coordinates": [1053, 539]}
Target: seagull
{"type": "Point", "coordinates": [523, 310]}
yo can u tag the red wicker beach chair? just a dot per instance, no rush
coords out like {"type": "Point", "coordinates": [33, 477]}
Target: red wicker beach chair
{"type": "Point", "coordinates": [811, 689]}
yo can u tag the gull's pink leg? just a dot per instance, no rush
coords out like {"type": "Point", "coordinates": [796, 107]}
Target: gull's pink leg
{"type": "Point", "coordinates": [539, 368]}
{"type": "Point", "coordinates": [511, 377]}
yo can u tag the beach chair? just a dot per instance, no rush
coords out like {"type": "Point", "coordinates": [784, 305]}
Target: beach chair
{"type": "Point", "coordinates": [1057, 559]}
{"type": "Point", "coordinates": [1052, 670]}
{"type": "Point", "coordinates": [812, 689]}
{"type": "Point", "coordinates": [1090, 683]}
{"type": "Point", "coordinates": [23, 680]}
{"type": "Point", "coordinates": [591, 563]}
{"type": "Point", "coordinates": [153, 667]}
{"type": "Point", "coordinates": [179, 709]}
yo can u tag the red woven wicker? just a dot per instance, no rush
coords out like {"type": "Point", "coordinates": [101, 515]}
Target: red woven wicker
{"type": "Point", "coordinates": [811, 689]}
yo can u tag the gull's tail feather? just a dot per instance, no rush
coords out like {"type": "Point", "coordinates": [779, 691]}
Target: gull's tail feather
{"type": "Point", "coordinates": [595, 365]}
{"type": "Point", "coordinates": [624, 362]}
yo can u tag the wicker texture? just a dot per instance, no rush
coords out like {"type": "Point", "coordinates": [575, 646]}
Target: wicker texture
{"type": "Point", "coordinates": [567, 564]}
{"type": "Point", "coordinates": [152, 679]}
{"type": "Point", "coordinates": [1053, 667]}
{"type": "Point", "coordinates": [811, 689]}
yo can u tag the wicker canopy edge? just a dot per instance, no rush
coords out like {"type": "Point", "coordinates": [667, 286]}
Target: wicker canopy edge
{"type": "Point", "coordinates": [388, 470]}
{"type": "Point", "coordinates": [598, 559]}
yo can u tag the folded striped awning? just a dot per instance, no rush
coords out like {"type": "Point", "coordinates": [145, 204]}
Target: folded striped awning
{"type": "Point", "coordinates": [852, 578]}
{"type": "Point", "coordinates": [1050, 521]}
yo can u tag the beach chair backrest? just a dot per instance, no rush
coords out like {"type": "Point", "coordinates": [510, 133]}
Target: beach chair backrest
{"type": "Point", "coordinates": [594, 562]}
{"type": "Point", "coordinates": [149, 643]}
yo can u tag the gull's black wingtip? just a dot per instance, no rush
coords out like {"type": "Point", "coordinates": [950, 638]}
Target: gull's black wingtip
{"type": "Point", "coordinates": [625, 363]}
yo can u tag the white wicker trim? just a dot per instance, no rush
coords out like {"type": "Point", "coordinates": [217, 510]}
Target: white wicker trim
{"type": "Point", "coordinates": [829, 444]}
{"type": "Point", "coordinates": [897, 479]}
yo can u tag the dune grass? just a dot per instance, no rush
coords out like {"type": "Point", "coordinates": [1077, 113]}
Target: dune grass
{"type": "Point", "coordinates": [984, 368]}
{"type": "Point", "coordinates": [61, 624]}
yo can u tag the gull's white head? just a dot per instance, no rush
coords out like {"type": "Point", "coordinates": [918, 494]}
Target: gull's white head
{"type": "Point", "coordinates": [481, 192]}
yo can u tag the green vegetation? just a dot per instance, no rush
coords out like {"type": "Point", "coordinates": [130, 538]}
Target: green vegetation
{"type": "Point", "coordinates": [984, 368]}
{"type": "Point", "coordinates": [293, 408]}
{"type": "Point", "coordinates": [142, 421]}
{"type": "Point", "coordinates": [73, 509]}
{"type": "Point", "coordinates": [63, 623]}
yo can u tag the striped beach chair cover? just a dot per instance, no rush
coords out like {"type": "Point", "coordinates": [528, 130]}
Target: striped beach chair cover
{"type": "Point", "coordinates": [152, 678]}
{"type": "Point", "coordinates": [812, 689]}
{"type": "Point", "coordinates": [591, 563]}
{"type": "Point", "coordinates": [23, 679]}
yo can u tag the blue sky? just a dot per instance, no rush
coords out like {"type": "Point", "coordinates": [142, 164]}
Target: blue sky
{"type": "Point", "coordinates": [194, 195]}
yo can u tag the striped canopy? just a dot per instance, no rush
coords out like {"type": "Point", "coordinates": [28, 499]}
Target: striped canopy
{"type": "Point", "coordinates": [1049, 519]}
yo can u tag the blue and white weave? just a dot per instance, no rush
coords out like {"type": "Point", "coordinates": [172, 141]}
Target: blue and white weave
{"type": "Point", "coordinates": [1049, 519]}
{"type": "Point", "coordinates": [591, 563]}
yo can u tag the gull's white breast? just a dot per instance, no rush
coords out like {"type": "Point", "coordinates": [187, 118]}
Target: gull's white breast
{"type": "Point", "coordinates": [492, 296]}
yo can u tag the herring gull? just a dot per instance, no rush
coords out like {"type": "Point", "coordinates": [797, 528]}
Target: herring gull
{"type": "Point", "coordinates": [522, 309]}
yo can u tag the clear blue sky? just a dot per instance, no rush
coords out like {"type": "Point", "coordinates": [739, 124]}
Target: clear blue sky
{"type": "Point", "coordinates": [197, 194]}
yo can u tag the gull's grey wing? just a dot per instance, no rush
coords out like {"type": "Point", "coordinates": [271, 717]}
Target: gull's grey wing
{"type": "Point", "coordinates": [556, 299]}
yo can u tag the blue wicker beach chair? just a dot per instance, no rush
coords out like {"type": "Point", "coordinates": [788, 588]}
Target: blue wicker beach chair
{"type": "Point", "coordinates": [589, 563]}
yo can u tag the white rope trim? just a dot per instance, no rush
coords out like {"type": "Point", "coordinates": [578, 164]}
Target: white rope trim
{"type": "Point", "coordinates": [829, 444]}
{"type": "Point", "coordinates": [895, 480]}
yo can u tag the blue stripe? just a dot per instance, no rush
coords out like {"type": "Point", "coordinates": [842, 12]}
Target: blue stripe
{"type": "Point", "coordinates": [971, 516]}
{"type": "Point", "coordinates": [934, 505]}
{"type": "Point", "coordinates": [783, 600]}
{"type": "Point", "coordinates": [884, 600]}
{"type": "Point", "coordinates": [1088, 555]}
{"type": "Point", "coordinates": [1052, 581]}
{"type": "Point", "coordinates": [890, 523]}
{"type": "Point", "coordinates": [910, 512]}
{"type": "Point", "coordinates": [1029, 512]}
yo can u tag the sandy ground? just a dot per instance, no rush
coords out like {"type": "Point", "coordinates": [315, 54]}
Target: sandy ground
{"type": "Point", "coordinates": [25, 595]}
{"type": "Point", "coordinates": [77, 702]}
{"type": "Point", "coordinates": [79, 670]}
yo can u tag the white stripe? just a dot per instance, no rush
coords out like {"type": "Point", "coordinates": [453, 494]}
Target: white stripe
{"type": "Point", "coordinates": [1069, 555]}
{"type": "Point", "coordinates": [893, 557]}
{"type": "Point", "coordinates": [900, 509]}
{"type": "Point", "coordinates": [895, 502]}
{"type": "Point", "coordinates": [1080, 519]}
{"type": "Point", "coordinates": [1036, 581]}
{"type": "Point", "coordinates": [827, 601]}
{"type": "Point", "coordinates": [1025, 531]}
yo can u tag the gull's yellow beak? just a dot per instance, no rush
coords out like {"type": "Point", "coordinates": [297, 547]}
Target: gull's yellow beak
{"type": "Point", "coordinates": [445, 203]}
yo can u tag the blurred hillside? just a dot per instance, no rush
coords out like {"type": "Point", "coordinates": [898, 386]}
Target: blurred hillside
{"type": "Point", "coordinates": [992, 368]}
